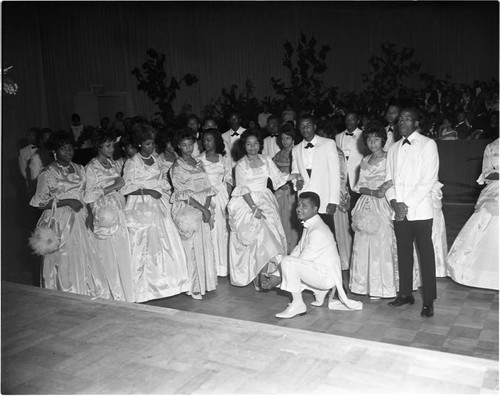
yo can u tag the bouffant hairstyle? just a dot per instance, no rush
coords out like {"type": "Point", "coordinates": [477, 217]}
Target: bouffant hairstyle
{"type": "Point", "coordinates": [59, 139]}
{"type": "Point", "coordinates": [288, 130]}
{"type": "Point", "coordinates": [183, 134]}
{"type": "Point", "coordinates": [245, 135]}
{"type": "Point", "coordinates": [219, 142]}
{"type": "Point", "coordinates": [375, 128]}
{"type": "Point", "coordinates": [164, 137]}
{"type": "Point", "coordinates": [101, 136]}
{"type": "Point", "coordinates": [142, 132]}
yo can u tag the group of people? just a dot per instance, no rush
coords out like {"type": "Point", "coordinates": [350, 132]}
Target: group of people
{"type": "Point", "coordinates": [177, 211]}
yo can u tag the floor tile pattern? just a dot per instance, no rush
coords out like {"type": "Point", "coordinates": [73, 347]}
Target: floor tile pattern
{"type": "Point", "coordinates": [58, 343]}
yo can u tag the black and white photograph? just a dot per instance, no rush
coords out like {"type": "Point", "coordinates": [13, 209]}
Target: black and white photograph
{"type": "Point", "coordinates": [250, 197]}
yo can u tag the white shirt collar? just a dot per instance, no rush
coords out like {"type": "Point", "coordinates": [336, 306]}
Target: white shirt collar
{"type": "Point", "coordinates": [311, 221]}
{"type": "Point", "coordinates": [314, 141]}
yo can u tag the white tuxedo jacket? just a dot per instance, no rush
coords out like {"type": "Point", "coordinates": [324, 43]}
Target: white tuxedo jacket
{"type": "Point", "coordinates": [413, 175]}
{"type": "Point", "coordinates": [226, 137]}
{"type": "Point", "coordinates": [356, 154]}
{"type": "Point", "coordinates": [325, 176]}
{"type": "Point", "coordinates": [319, 247]}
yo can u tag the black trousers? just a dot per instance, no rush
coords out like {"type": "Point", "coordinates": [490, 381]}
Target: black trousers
{"type": "Point", "coordinates": [419, 231]}
{"type": "Point", "coordinates": [328, 219]}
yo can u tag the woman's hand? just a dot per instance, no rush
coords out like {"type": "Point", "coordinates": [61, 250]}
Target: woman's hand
{"type": "Point", "coordinates": [89, 221]}
{"type": "Point", "coordinates": [206, 215]}
{"type": "Point", "coordinates": [119, 183]}
{"type": "Point", "coordinates": [258, 213]}
{"type": "Point", "coordinates": [74, 204]}
{"type": "Point", "coordinates": [155, 194]}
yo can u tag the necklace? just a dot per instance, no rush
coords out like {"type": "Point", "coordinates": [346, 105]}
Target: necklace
{"type": "Point", "coordinates": [105, 164]}
{"type": "Point", "coordinates": [145, 158]}
{"type": "Point", "coordinates": [64, 169]}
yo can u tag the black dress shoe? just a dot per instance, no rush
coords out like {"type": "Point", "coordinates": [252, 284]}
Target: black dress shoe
{"type": "Point", "coordinates": [402, 300]}
{"type": "Point", "coordinates": [427, 311]}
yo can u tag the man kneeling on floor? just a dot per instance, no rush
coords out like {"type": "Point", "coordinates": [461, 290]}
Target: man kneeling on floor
{"type": "Point", "coordinates": [313, 264]}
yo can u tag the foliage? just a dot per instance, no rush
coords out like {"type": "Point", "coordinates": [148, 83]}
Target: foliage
{"type": "Point", "coordinates": [387, 74]}
{"type": "Point", "coordinates": [305, 64]}
{"type": "Point", "coordinates": [160, 87]}
{"type": "Point", "coordinates": [244, 103]}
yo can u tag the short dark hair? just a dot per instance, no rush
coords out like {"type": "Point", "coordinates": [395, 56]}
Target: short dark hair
{"type": "Point", "coordinates": [59, 139]}
{"type": "Point", "coordinates": [273, 117]}
{"type": "Point", "coordinates": [245, 135]}
{"type": "Point", "coordinates": [101, 136]}
{"type": "Point", "coordinates": [142, 132]}
{"type": "Point", "coordinates": [312, 197]}
{"type": "Point", "coordinates": [181, 135]}
{"type": "Point", "coordinates": [375, 128]}
{"type": "Point", "coordinates": [307, 116]}
{"type": "Point", "coordinates": [219, 142]}
{"type": "Point", "coordinates": [192, 117]}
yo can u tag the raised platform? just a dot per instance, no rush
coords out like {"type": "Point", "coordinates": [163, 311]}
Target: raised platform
{"type": "Point", "coordinates": [54, 342]}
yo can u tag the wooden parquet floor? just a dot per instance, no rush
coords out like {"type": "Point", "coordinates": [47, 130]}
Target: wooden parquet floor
{"type": "Point", "coordinates": [61, 343]}
{"type": "Point", "coordinates": [465, 321]}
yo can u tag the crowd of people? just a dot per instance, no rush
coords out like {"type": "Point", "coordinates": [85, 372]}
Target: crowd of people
{"type": "Point", "coordinates": [293, 205]}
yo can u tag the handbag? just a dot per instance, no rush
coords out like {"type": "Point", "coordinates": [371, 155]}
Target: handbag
{"type": "Point", "coordinates": [45, 239]}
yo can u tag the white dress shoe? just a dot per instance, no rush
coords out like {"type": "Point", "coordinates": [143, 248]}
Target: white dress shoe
{"type": "Point", "coordinates": [320, 297]}
{"type": "Point", "coordinates": [291, 311]}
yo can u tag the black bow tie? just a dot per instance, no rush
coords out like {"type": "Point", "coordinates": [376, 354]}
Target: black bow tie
{"type": "Point", "coordinates": [309, 145]}
{"type": "Point", "coordinates": [406, 141]}
{"type": "Point", "coordinates": [33, 147]}
{"type": "Point", "coordinates": [390, 129]}
{"type": "Point", "coordinates": [274, 135]}
{"type": "Point", "coordinates": [235, 134]}
{"type": "Point", "coordinates": [349, 133]}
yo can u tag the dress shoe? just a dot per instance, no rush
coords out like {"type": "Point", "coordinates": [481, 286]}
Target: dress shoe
{"type": "Point", "coordinates": [197, 296]}
{"type": "Point", "coordinates": [402, 300]}
{"type": "Point", "coordinates": [292, 310]}
{"type": "Point", "coordinates": [427, 311]}
{"type": "Point", "coordinates": [319, 295]}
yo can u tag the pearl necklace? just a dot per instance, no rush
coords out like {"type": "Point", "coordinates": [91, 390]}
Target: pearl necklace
{"type": "Point", "coordinates": [144, 158]}
{"type": "Point", "coordinates": [64, 169]}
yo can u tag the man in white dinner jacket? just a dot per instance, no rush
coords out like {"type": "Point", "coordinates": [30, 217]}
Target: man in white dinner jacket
{"type": "Point", "coordinates": [232, 137]}
{"type": "Point", "coordinates": [413, 165]}
{"type": "Point", "coordinates": [313, 264]}
{"type": "Point", "coordinates": [351, 143]}
{"type": "Point", "coordinates": [317, 161]}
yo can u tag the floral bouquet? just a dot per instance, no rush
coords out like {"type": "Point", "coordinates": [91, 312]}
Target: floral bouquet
{"type": "Point", "coordinates": [106, 214]}
{"type": "Point", "coordinates": [248, 232]}
{"type": "Point", "coordinates": [45, 239]}
{"type": "Point", "coordinates": [366, 222]}
{"type": "Point", "coordinates": [188, 221]}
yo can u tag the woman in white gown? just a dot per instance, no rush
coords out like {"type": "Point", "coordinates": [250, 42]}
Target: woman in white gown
{"type": "Point", "coordinates": [75, 266]}
{"type": "Point", "coordinates": [374, 254]}
{"type": "Point", "coordinates": [252, 204]}
{"type": "Point", "coordinates": [109, 222]}
{"type": "Point", "coordinates": [473, 258]}
{"type": "Point", "coordinates": [219, 171]}
{"type": "Point", "coordinates": [159, 266]}
{"type": "Point", "coordinates": [192, 211]}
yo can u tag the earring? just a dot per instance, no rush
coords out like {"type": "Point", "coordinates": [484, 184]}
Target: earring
{"type": "Point", "coordinates": [55, 156]}
{"type": "Point", "coordinates": [140, 145]}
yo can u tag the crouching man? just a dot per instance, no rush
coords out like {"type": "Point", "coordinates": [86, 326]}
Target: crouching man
{"type": "Point", "coordinates": [314, 264]}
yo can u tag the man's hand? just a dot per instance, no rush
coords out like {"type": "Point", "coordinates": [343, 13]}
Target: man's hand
{"type": "Point", "coordinates": [331, 208]}
{"type": "Point", "coordinates": [268, 282]}
{"type": "Point", "coordinates": [401, 210]}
